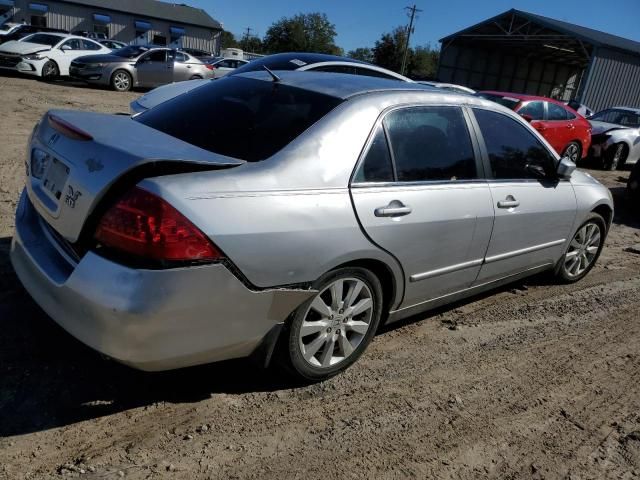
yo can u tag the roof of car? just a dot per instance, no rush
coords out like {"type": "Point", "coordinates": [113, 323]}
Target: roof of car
{"type": "Point", "coordinates": [522, 96]}
{"type": "Point", "coordinates": [339, 85]}
{"type": "Point", "coordinates": [309, 58]}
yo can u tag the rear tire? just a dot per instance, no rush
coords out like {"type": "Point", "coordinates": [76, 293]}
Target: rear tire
{"type": "Point", "coordinates": [583, 250]}
{"type": "Point", "coordinates": [50, 71]}
{"type": "Point", "coordinates": [196, 77]}
{"type": "Point", "coordinates": [330, 331]}
{"type": "Point", "coordinates": [573, 150]}
{"type": "Point", "coordinates": [121, 81]}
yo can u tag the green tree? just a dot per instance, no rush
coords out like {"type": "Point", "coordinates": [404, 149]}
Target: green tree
{"type": "Point", "coordinates": [251, 44]}
{"type": "Point", "coordinates": [305, 32]}
{"type": "Point", "coordinates": [363, 53]}
{"type": "Point", "coordinates": [423, 63]}
{"type": "Point", "coordinates": [389, 49]}
{"type": "Point", "coordinates": [228, 40]}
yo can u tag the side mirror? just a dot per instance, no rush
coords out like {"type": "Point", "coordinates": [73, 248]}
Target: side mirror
{"type": "Point", "coordinates": [64, 48]}
{"type": "Point", "coordinates": [528, 118]}
{"type": "Point", "coordinates": [566, 167]}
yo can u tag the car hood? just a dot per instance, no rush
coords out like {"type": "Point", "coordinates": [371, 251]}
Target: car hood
{"type": "Point", "coordinates": [104, 58]}
{"type": "Point", "coordinates": [601, 127]}
{"type": "Point", "coordinates": [23, 48]}
{"type": "Point", "coordinates": [166, 92]}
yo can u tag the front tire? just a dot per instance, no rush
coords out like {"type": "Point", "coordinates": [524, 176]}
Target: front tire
{"type": "Point", "coordinates": [330, 331]}
{"type": "Point", "coordinates": [50, 70]}
{"type": "Point", "coordinates": [615, 157]}
{"type": "Point", "coordinates": [583, 250]}
{"type": "Point", "coordinates": [121, 81]}
{"type": "Point", "coordinates": [573, 150]}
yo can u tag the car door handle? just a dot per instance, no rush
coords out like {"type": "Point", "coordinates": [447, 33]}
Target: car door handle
{"type": "Point", "coordinates": [509, 202]}
{"type": "Point", "coordinates": [395, 209]}
{"type": "Point", "coordinates": [571, 126]}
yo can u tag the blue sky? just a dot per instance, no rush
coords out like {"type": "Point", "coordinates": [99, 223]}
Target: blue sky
{"type": "Point", "coordinates": [361, 22]}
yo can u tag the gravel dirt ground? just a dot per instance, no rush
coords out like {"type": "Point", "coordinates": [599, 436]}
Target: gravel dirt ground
{"type": "Point", "coordinates": [535, 380]}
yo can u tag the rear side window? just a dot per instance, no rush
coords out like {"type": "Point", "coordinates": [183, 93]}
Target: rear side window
{"type": "Point", "coordinates": [376, 165]}
{"type": "Point", "coordinates": [430, 144]}
{"type": "Point", "coordinates": [556, 112]}
{"type": "Point", "coordinates": [239, 117]}
{"type": "Point", "coordinates": [512, 148]}
{"type": "Point", "coordinates": [534, 109]}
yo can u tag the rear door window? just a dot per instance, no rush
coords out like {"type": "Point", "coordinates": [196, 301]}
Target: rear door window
{"type": "Point", "coordinates": [556, 112]}
{"type": "Point", "coordinates": [244, 118]}
{"type": "Point", "coordinates": [376, 165]}
{"type": "Point", "coordinates": [430, 144]}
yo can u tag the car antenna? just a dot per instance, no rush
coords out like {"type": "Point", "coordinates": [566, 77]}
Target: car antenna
{"type": "Point", "coordinates": [275, 77]}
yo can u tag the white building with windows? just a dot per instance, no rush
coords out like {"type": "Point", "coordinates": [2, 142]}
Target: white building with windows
{"type": "Point", "coordinates": [129, 21]}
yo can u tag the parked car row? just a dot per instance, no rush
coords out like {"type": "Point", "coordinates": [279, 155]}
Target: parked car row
{"type": "Point", "coordinates": [611, 137]}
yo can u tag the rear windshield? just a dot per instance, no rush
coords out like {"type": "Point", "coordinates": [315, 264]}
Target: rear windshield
{"type": "Point", "coordinates": [43, 39]}
{"type": "Point", "coordinates": [239, 117]}
{"type": "Point", "coordinates": [130, 51]}
{"type": "Point", "coordinates": [508, 102]}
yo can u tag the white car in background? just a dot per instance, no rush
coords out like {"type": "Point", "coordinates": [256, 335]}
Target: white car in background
{"type": "Point", "coordinates": [224, 66]}
{"type": "Point", "coordinates": [47, 55]}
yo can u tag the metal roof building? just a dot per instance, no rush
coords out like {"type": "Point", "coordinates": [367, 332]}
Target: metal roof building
{"type": "Point", "coordinates": [130, 21]}
{"type": "Point", "coordinates": [526, 53]}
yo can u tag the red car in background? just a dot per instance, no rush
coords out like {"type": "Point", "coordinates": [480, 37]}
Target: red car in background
{"type": "Point", "coordinates": [566, 130]}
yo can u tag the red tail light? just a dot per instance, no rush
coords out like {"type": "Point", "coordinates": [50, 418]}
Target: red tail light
{"type": "Point", "coordinates": [145, 225]}
{"type": "Point", "coordinates": [68, 130]}
{"type": "Point", "coordinates": [210, 67]}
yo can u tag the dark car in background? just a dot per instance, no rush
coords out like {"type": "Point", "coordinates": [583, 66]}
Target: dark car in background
{"type": "Point", "coordinates": [566, 130]}
{"type": "Point", "coordinates": [23, 30]}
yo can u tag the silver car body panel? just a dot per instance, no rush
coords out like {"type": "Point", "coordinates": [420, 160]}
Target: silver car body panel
{"type": "Point", "coordinates": [283, 222]}
{"type": "Point", "coordinates": [150, 319]}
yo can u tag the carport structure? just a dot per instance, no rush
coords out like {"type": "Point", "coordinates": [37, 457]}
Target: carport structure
{"type": "Point", "coordinates": [521, 52]}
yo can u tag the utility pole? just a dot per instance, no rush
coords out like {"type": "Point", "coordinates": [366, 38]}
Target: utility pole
{"type": "Point", "coordinates": [413, 11]}
{"type": "Point", "coordinates": [247, 35]}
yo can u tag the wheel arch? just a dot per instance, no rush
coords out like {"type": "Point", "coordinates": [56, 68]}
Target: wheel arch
{"type": "Point", "coordinates": [606, 212]}
{"type": "Point", "coordinates": [390, 288]}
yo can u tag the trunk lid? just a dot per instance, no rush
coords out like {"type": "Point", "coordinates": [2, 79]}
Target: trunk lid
{"type": "Point", "coordinates": [79, 173]}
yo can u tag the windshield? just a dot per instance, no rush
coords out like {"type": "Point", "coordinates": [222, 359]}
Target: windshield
{"type": "Point", "coordinates": [43, 39]}
{"type": "Point", "coordinates": [238, 117]}
{"type": "Point", "coordinates": [619, 117]}
{"type": "Point", "coordinates": [6, 27]}
{"type": "Point", "coordinates": [508, 102]}
{"type": "Point", "coordinates": [131, 51]}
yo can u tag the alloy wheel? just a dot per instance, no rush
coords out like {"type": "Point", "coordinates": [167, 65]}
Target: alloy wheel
{"type": "Point", "coordinates": [572, 152]}
{"type": "Point", "coordinates": [583, 249]}
{"type": "Point", "coordinates": [336, 322]}
{"type": "Point", "coordinates": [121, 81]}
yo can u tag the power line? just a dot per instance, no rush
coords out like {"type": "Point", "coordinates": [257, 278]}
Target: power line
{"type": "Point", "coordinates": [413, 11]}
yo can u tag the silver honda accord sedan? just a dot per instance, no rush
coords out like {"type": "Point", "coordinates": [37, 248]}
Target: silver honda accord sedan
{"type": "Point", "coordinates": [287, 215]}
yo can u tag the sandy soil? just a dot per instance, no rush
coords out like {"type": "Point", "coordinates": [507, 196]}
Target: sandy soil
{"type": "Point", "coordinates": [535, 380]}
